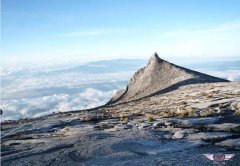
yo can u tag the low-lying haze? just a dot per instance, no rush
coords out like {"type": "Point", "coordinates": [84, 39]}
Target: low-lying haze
{"type": "Point", "coordinates": [31, 93]}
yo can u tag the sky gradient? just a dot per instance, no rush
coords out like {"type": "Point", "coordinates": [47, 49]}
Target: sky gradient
{"type": "Point", "coordinates": [66, 31]}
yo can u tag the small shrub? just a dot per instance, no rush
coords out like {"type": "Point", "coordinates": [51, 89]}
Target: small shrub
{"type": "Point", "coordinates": [216, 91]}
{"type": "Point", "coordinates": [171, 113]}
{"type": "Point", "coordinates": [237, 112]}
{"type": "Point", "coordinates": [124, 119]}
{"type": "Point", "coordinates": [66, 128]}
{"type": "Point", "coordinates": [164, 114]}
{"type": "Point", "coordinates": [161, 114]}
{"type": "Point", "coordinates": [183, 114]}
{"type": "Point", "coordinates": [206, 113]}
{"type": "Point", "coordinates": [105, 125]}
{"type": "Point", "coordinates": [184, 102]}
{"type": "Point", "coordinates": [203, 94]}
{"type": "Point", "coordinates": [209, 95]}
{"type": "Point", "coordinates": [150, 118]}
{"type": "Point", "coordinates": [236, 107]}
{"type": "Point", "coordinates": [190, 111]}
{"type": "Point", "coordinates": [179, 112]}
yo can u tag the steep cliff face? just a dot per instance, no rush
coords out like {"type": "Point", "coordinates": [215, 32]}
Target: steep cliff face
{"type": "Point", "coordinates": [158, 75]}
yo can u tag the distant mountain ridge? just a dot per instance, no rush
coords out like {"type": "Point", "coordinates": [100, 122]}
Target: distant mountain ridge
{"type": "Point", "coordinates": [160, 76]}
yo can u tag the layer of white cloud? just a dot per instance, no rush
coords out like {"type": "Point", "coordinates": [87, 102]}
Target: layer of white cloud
{"type": "Point", "coordinates": [29, 93]}
{"type": "Point", "coordinates": [18, 86]}
{"type": "Point", "coordinates": [231, 75]}
{"type": "Point", "coordinates": [35, 107]}
{"type": "Point", "coordinates": [36, 92]}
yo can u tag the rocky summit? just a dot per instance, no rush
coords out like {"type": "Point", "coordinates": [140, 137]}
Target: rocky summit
{"type": "Point", "coordinates": [160, 76]}
{"type": "Point", "coordinates": [167, 115]}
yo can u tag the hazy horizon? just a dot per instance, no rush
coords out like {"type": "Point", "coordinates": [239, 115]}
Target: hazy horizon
{"type": "Point", "coordinates": [59, 55]}
{"type": "Point", "coordinates": [33, 93]}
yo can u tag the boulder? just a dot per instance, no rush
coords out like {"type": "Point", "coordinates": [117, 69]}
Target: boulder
{"type": "Point", "coordinates": [178, 135]}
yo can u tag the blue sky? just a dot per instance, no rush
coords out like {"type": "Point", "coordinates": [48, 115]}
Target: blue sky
{"type": "Point", "coordinates": [60, 31]}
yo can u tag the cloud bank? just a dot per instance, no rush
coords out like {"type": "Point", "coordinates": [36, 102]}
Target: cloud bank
{"type": "Point", "coordinates": [34, 93]}
{"type": "Point", "coordinates": [231, 75]}
{"type": "Point", "coordinates": [35, 107]}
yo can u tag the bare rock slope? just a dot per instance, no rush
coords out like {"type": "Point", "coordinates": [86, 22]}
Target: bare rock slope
{"type": "Point", "coordinates": [160, 76]}
{"type": "Point", "coordinates": [179, 116]}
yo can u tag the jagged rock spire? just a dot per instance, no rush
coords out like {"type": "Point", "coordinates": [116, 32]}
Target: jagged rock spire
{"type": "Point", "coordinates": [159, 75]}
{"type": "Point", "coordinates": [155, 58]}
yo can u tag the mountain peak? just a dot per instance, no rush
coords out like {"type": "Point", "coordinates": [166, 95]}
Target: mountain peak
{"type": "Point", "coordinates": [155, 58]}
{"type": "Point", "coordinates": [157, 77]}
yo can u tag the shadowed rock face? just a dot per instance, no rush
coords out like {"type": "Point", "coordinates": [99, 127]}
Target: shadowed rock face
{"type": "Point", "coordinates": [159, 76]}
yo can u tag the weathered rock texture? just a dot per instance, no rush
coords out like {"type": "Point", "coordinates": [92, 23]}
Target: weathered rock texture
{"type": "Point", "coordinates": [164, 126]}
{"type": "Point", "coordinates": [160, 76]}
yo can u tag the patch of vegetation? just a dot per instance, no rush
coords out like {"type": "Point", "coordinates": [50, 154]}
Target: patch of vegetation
{"type": "Point", "coordinates": [237, 112]}
{"type": "Point", "coordinates": [150, 118]}
{"type": "Point", "coordinates": [236, 107]}
{"type": "Point", "coordinates": [166, 114]}
{"type": "Point", "coordinates": [186, 112]}
{"type": "Point", "coordinates": [124, 119]}
{"type": "Point", "coordinates": [209, 95]}
{"type": "Point", "coordinates": [203, 94]}
{"type": "Point", "coordinates": [105, 125]}
{"type": "Point", "coordinates": [190, 111]}
{"type": "Point", "coordinates": [216, 91]}
{"type": "Point", "coordinates": [206, 113]}
{"type": "Point", "coordinates": [182, 112]}
{"type": "Point", "coordinates": [184, 102]}
{"type": "Point", "coordinates": [66, 128]}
